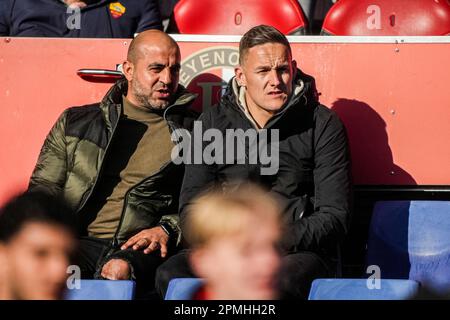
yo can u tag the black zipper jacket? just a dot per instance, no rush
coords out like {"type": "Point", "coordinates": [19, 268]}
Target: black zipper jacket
{"type": "Point", "coordinates": [313, 180]}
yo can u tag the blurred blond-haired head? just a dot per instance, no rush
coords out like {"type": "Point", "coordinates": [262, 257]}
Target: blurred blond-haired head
{"type": "Point", "coordinates": [234, 237]}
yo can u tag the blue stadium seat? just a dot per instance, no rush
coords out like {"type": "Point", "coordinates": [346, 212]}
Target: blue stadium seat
{"type": "Point", "coordinates": [102, 290]}
{"type": "Point", "coordinates": [411, 240]}
{"type": "Point", "coordinates": [358, 289]}
{"type": "Point", "coordinates": [183, 288]}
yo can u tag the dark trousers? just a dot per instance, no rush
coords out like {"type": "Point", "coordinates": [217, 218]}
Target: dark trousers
{"type": "Point", "coordinates": [93, 253]}
{"type": "Point", "coordinates": [297, 272]}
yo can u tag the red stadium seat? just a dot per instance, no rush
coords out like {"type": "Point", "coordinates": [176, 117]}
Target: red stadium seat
{"type": "Point", "coordinates": [237, 16]}
{"type": "Point", "coordinates": [388, 18]}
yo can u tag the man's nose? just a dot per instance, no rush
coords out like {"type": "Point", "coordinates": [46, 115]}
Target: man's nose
{"type": "Point", "coordinates": [166, 76]}
{"type": "Point", "coordinates": [275, 77]}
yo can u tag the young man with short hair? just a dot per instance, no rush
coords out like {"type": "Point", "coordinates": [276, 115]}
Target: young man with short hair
{"type": "Point", "coordinates": [270, 97]}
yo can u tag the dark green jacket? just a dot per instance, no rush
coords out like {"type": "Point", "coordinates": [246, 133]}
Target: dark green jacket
{"type": "Point", "coordinates": [70, 163]}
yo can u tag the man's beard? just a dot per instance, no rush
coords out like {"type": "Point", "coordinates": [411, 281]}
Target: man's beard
{"type": "Point", "coordinates": [144, 99]}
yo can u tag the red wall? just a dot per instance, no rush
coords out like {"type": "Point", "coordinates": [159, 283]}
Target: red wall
{"type": "Point", "coordinates": [393, 98]}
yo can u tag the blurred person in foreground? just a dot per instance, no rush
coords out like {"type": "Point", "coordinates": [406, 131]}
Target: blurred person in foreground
{"type": "Point", "coordinates": [37, 243]}
{"type": "Point", "coordinates": [236, 251]}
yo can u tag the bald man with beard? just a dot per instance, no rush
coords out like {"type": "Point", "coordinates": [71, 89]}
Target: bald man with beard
{"type": "Point", "coordinates": [111, 161]}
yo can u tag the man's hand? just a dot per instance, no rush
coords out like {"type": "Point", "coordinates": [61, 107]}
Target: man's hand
{"type": "Point", "coordinates": [149, 240]}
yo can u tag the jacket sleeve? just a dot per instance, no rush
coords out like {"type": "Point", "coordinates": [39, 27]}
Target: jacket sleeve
{"type": "Point", "coordinates": [51, 168]}
{"type": "Point", "coordinates": [197, 177]}
{"type": "Point", "coordinates": [5, 11]}
{"type": "Point", "coordinates": [150, 17]}
{"type": "Point", "coordinates": [329, 222]}
{"type": "Point", "coordinates": [173, 221]}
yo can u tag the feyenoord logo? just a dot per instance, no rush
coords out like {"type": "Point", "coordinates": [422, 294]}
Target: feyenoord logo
{"type": "Point", "coordinates": [116, 9]}
{"type": "Point", "coordinates": [207, 72]}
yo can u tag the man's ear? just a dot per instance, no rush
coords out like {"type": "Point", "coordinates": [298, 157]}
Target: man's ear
{"type": "Point", "coordinates": [128, 70]}
{"type": "Point", "coordinates": [240, 76]}
{"type": "Point", "coordinates": [294, 69]}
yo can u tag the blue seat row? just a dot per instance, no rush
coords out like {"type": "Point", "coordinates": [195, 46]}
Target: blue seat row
{"type": "Point", "coordinates": [409, 243]}
{"type": "Point", "coordinates": [101, 290]}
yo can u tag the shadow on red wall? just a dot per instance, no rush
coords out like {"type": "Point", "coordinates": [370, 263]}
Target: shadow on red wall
{"type": "Point", "coordinates": [369, 144]}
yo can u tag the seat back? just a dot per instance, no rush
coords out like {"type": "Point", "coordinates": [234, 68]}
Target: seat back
{"type": "Point", "coordinates": [183, 288]}
{"type": "Point", "coordinates": [236, 16]}
{"type": "Point", "coordinates": [359, 289]}
{"type": "Point", "coordinates": [388, 18]}
{"type": "Point", "coordinates": [102, 290]}
{"type": "Point", "coordinates": [411, 240]}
